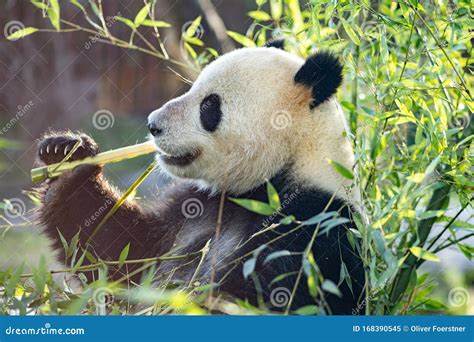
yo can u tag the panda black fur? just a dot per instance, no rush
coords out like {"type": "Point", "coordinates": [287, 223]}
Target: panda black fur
{"type": "Point", "coordinates": [223, 136]}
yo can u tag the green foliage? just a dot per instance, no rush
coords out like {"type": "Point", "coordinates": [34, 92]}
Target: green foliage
{"type": "Point", "coordinates": [408, 92]}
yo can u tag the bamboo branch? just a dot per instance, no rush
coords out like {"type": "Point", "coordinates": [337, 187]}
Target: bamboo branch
{"type": "Point", "coordinates": [126, 262]}
{"type": "Point", "coordinates": [438, 199]}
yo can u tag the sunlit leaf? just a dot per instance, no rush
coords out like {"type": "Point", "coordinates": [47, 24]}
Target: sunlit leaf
{"type": "Point", "coordinates": [54, 14]}
{"type": "Point", "coordinates": [259, 15]}
{"type": "Point", "coordinates": [241, 39]}
{"type": "Point", "coordinates": [276, 9]}
{"type": "Point", "coordinates": [40, 4]}
{"type": "Point", "coordinates": [155, 23]}
{"type": "Point", "coordinates": [423, 254]}
{"type": "Point", "coordinates": [141, 15]}
{"type": "Point", "coordinates": [193, 28]}
{"type": "Point", "coordinates": [22, 33]}
{"type": "Point", "coordinates": [273, 197]}
{"type": "Point", "coordinates": [255, 206]}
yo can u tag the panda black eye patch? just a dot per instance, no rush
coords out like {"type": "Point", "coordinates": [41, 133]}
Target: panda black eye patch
{"type": "Point", "coordinates": [210, 112]}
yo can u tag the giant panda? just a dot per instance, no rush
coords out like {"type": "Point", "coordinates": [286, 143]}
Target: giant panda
{"type": "Point", "coordinates": [253, 116]}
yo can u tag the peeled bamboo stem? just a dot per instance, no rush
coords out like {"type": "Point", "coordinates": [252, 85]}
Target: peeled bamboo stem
{"type": "Point", "coordinates": [113, 156]}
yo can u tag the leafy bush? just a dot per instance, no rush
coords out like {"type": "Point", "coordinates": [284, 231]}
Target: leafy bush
{"type": "Point", "coordinates": [408, 93]}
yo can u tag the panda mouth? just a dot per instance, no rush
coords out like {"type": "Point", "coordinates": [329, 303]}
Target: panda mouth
{"type": "Point", "coordinates": [181, 160]}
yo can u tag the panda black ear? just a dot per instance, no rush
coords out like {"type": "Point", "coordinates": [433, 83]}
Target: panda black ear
{"type": "Point", "coordinates": [322, 73]}
{"type": "Point", "coordinates": [276, 43]}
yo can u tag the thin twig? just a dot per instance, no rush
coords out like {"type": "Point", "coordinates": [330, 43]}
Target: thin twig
{"type": "Point", "coordinates": [126, 262]}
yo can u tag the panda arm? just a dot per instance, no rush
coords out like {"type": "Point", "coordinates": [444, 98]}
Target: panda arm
{"type": "Point", "coordinates": [77, 201]}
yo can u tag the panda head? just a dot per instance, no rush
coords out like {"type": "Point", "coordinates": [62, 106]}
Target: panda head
{"type": "Point", "coordinates": [252, 113]}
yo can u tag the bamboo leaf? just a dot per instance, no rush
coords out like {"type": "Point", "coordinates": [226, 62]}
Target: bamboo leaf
{"type": "Point", "coordinates": [249, 267]}
{"type": "Point", "coordinates": [350, 32]}
{"type": "Point", "coordinates": [255, 206]}
{"type": "Point", "coordinates": [318, 218]}
{"type": "Point", "coordinates": [308, 310]}
{"type": "Point", "coordinates": [193, 28]}
{"type": "Point", "coordinates": [273, 198]}
{"type": "Point", "coordinates": [22, 33]}
{"type": "Point", "coordinates": [276, 255]}
{"type": "Point", "coordinates": [126, 21]}
{"type": "Point", "coordinates": [54, 14]}
{"type": "Point", "coordinates": [276, 9]}
{"type": "Point", "coordinates": [423, 254]}
{"type": "Point", "coordinates": [123, 255]}
{"type": "Point", "coordinates": [142, 14]}
{"type": "Point", "coordinates": [341, 169]}
{"type": "Point", "coordinates": [77, 4]}
{"type": "Point", "coordinates": [330, 287]}
{"type": "Point", "coordinates": [241, 39]}
{"type": "Point", "coordinates": [259, 15]}
{"type": "Point", "coordinates": [155, 23]}
{"type": "Point", "coordinates": [41, 5]}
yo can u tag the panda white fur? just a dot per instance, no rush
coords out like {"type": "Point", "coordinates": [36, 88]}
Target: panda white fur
{"type": "Point", "coordinates": [253, 115]}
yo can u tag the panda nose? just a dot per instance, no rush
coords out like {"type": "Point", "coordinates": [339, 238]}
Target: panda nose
{"type": "Point", "coordinates": [154, 129]}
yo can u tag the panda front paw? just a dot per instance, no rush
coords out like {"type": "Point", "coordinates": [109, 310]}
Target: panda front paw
{"type": "Point", "coordinates": [54, 147]}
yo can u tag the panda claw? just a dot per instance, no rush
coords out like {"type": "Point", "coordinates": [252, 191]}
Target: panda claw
{"type": "Point", "coordinates": [66, 149]}
{"type": "Point", "coordinates": [56, 149]}
{"type": "Point", "coordinates": [41, 151]}
{"type": "Point", "coordinates": [47, 149]}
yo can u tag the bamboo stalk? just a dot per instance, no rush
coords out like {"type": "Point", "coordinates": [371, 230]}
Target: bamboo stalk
{"type": "Point", "coordinates": [113, 156]}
